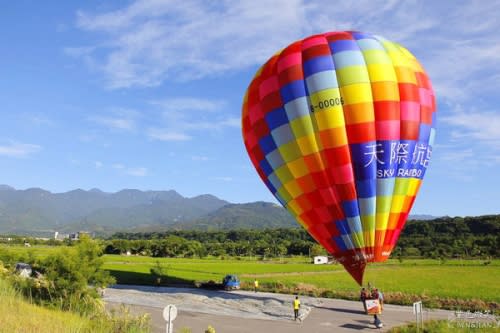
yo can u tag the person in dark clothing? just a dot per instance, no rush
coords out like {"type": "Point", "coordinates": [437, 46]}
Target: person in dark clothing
{"type": "Point", "coordinates": [376, 295]}
{"type": "Point", "coordinates": [363, 296]}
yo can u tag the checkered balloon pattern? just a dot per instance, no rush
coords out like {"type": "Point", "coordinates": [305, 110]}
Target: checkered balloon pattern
{"type": "Point", "coordinates": [340, 127]}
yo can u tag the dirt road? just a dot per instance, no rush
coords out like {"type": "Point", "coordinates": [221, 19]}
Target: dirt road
{"type": "Point", "coordinates": [245, 311]}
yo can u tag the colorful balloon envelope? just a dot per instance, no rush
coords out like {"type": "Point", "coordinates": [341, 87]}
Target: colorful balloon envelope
{"type": "Point", "coordinates": [340, 128]}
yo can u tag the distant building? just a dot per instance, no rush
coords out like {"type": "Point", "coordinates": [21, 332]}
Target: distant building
{"type": "Point", "coordinates": [59, 236]}
{"type": "Point", "coordinates": [76, 236]}
{"type": "Point", "coordinates": [320, 260]}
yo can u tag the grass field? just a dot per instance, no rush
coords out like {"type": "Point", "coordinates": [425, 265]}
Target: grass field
{"type": "Point", "coordinates": [37, 250]}
{"type": "Point", "coordinates": [468, 280]}
{"type": "Point", "coordinates": [418, 278]}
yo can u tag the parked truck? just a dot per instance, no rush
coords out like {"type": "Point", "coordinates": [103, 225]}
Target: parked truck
{"type": "Point", "coordinates": [229, 282]}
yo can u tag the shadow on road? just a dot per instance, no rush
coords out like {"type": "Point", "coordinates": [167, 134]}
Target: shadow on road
{"type": "Point", "coordinates": [341, 310]}
{"type": "Point", "coordinates": [146, 279]}
{"type": "Point", "coordinates": [202, 292]}
{"type": "Point", "coordinates": [358, 327]}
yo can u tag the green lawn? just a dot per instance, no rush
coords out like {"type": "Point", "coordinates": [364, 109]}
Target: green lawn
{"type": "Point", "coordinates": [36, 250]}
{"type": "Point", "coordinates": [455, 279]}
{"type": "Point", "coordinates": [463, 280]}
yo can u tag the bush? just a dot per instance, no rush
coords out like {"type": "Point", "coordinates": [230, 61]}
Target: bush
{"type": "Point", "coordinates": [122, 321]}
{"type": "Point", "coordinates": [68, 279]}
{"type": "Point", "coordinates": [210, 329]}
{"type": "Point", "coordinates": [160, 272]}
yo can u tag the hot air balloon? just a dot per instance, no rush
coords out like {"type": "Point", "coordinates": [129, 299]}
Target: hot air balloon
{"type": "Point", "coordinates": [340, 128]}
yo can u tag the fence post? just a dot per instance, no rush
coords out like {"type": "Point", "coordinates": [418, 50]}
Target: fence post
{"type": "Point", "coordinates": [417, 310]}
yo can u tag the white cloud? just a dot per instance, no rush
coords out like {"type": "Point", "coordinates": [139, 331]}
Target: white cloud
{"type": "Point", "coordinates": [472, 142]}
{"type": "Point", "coordinates": [79, 51]}
{"type": "Point", "coordinates": [456, 155]}
{"type": "Point", "coordinates": [231, 122]}
{"type": "Point", "coordinates": [481, 126]}
{"type": "Point", "coordinates": [130, 171]}
{"type": "Point", "coordinates": [147, 42]}
{"type": "Point", "coordinates": [85, 53]}
{"type": "Point", "coordinates": [150, 41]}
{"type": "Point", "coordinates": [137, 172]}
{"type": "Point", "coordinates": [119, 167]}
{"type": "Point", "coordinates": [224, 179]}
{"type": "Point", "coordinates": [183, 117]}
{"type": "Point", "coordinates": [216, 124]}
{"type": "Point", "coordinates": [199, 158]}
{"type": "Point", "coordinates": [87, 137]}
{"type": "Point", "coordinates": [476, 129]}
{"type": "Point", "coordinates": [167, 135]}
{"type": "Point", "coordinates": [119, 123]}
{"type": "Point", "coordinates": [119, 118]}
{"type": "Point", "coordinates": [16, 149]}
{"type": "Point", "coordinates": [38, 119]}
{"type": "Point", "coordinates": [189, 104]}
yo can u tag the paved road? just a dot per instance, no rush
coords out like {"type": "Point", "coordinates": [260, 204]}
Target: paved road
{"type": "Point", "coordinates": [322, 315]}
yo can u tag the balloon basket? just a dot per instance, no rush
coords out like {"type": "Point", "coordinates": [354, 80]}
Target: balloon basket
{"type": "Point", "coordinates": [373, 307]}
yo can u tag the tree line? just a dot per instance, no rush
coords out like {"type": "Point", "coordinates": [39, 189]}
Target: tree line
{"type": "Point", "coordinates": [446, 237]}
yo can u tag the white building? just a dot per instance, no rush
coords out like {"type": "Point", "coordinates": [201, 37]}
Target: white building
{"type": "Point", "coordinates": [320, 260]}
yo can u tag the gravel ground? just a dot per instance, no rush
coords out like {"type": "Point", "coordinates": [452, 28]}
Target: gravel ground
{"type": "Point", "coordinates": [249, 312]}
{"type": "Point", "coordinates": [239, 304]}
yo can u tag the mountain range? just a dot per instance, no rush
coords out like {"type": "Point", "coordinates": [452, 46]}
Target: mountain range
{"type": "Point", "coordinates": [36, 211]}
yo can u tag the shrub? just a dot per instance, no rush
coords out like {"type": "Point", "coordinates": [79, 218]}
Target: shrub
{"type": "Point", "coordinates": [68, 279]}
{"type": "Point", "coordinates": [122, 321]}
{"type": "Point", "coordinates": [210, 329]}
{"type": "Point", "coordinates": [159, 272]}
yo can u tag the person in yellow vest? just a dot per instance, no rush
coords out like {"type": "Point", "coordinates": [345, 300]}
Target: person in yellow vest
{"type": "Point", "coordinates": [296, 307]}
{"type": "Point", "coordinates": [255, 285]}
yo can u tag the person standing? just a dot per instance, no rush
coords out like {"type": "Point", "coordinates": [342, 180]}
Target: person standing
{"type": "Point", "coordinates": [296, 307]}
{"type": "Point", "coordinates": [381, 300]}
{"type": "Point", "coordinates": [255, 285]}
{"type": "Point", "coordinates": [376, 295]}
{"type": "Point", "coordinates": [378, 322]}
{"type": "Point", "coordinates": [363, 297]}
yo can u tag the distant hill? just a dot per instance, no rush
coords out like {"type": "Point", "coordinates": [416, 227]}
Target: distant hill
{"type": "Point", "coordinates": [39, 212]}
{"type": "Point", "coordinates": [36, 210]}
{"type": "Point", "coordinates": [256, 215]}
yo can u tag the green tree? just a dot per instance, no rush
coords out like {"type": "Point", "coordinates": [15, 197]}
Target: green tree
{"type": "Point", "coordinates": [317, 250]}
{"type": "Point", "coordinates": [89, 256]}
{"type": "Point", "coordinates": [69, 278]}
{"type": "Point", "coordinates": [159, 272]}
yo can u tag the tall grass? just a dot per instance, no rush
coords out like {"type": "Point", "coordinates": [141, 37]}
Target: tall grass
{"type": "Point", "coordinates": [443, 326]}
{"type": "Point", "coordinates": [18, 315]}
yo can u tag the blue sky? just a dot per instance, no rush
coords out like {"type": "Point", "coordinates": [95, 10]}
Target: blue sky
{"type": "Point", "coordinates": [148, 94]}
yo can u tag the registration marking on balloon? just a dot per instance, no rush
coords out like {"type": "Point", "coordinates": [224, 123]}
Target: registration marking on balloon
{"type": "Point", "coordinates": [327, 103]}
{"type": "Point", "coordinates": [340, 127]}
